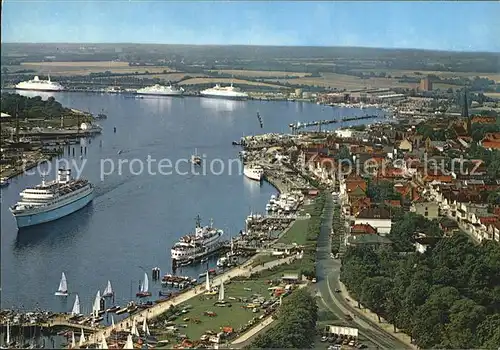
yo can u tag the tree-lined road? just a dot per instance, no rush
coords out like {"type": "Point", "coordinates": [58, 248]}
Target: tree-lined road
{"type": "Point", "coordinates": [328, 273]}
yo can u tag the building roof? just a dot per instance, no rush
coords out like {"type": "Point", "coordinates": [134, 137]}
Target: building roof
{"type": "Point", "coordinates": [374, 213]}
{"type": "Point", "coordinates": [363, 229]}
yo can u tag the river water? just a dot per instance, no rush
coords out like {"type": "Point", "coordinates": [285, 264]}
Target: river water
{"type": "Point", "coordinates": [135, 218]}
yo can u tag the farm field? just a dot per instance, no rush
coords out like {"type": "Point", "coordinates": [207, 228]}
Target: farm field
{"type": "Point", "coordinates": [195, 81]}
{"type": "Point", "coordinates": [343, 81]}
{"type": "Point", "coordinates": [260, 73]}
{"type": "Point", "coordinates": [84, 68]}
{"type": "Point", "coordinates": [492, 76]}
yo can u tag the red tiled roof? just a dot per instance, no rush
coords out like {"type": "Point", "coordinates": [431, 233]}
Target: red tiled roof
{"type": "Point", "coordinates": [363, 229]}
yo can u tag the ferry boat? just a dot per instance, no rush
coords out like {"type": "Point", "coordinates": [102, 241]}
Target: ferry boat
{"type": "Point", "coordinates": [254, 172]}
{"type": "Point", "coordinates": [198, 244]}
{"type": "Point", "coordinates": [160, 90]}
{"type": "Point", "coordinates": [37, 84]}
{"type": "Point", "coordinates": [226, 92]}
{"type": "Point", "coordinates": [52, 200]}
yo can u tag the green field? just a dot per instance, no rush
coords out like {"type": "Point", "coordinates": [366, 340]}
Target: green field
{"type": "Point", "coordinates": [235, 316]}
{"type": "Point", "coordinates": [297, 233]}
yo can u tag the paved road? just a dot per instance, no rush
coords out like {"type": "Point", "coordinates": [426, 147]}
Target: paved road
{"type": "Point", "coordinates": [328, 272]}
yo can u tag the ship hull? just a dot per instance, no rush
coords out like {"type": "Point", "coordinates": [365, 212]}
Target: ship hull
{"type": "Point", "coordinates": [41, 90]}
{"type": "Point", "coordinates": [225, 97]}
{"type": "Point", "coordinates": [252, 175]}
{"type": "Point", "coordinates": [171, 94]}
{"type": "Point", "coordinates": [25, 220]}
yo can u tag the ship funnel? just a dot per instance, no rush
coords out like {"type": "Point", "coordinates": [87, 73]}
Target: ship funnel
{"type": "Point", "coordinates": [63, 175]}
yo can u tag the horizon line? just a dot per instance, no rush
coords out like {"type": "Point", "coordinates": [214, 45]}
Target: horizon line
{"type": "Point", "coordinates": [248, 45]}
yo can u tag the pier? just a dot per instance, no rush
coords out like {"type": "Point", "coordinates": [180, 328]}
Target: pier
{"type": "Point", "coordinates": [53, 321]}
{"type": "Point", "coordinates": [297, 126]}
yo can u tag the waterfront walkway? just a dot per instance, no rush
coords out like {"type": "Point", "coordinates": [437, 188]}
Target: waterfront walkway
{"type": "Point", "coordinates": [158, 309]}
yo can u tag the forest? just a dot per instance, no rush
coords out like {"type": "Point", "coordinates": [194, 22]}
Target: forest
{"type": "Point", "coordinates": [447, 297]}
{"type": "Point", "coordinates": [32, 107]}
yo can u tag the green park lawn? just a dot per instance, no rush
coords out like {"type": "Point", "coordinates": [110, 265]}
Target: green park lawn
{"type": "Point", "coordinates": [234, 316]}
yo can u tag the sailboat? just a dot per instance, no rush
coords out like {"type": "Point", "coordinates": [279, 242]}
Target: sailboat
{"type": "Point", "coordinates": [63, 287]}
{"type": "Point", "coordinates": [82, 339]}
{"type": "Point", "coordinates": [73, 341]}
{"type": "Point", "coordinates": [97, 305]}
{"type": "Point", "coordinates": [134, 330]}
{"type": "Point", "coordinates": [108, 292]}
{"type": "Point", "coordinates": [207, 282]}
{"type": "Point", "coordinates": [129, 344]}
{"type": "Point", "coordinates": [221, 291]}
{"type": "Point", "coordinates": [143, 291]}
{"type": "Point", "coordinates": [76, 307]}
{"type": "Point", "coordinates": [195, 158]}
{"type": "Point", "coordinates": [145, 328]}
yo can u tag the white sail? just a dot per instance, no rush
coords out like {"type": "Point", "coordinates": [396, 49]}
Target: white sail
{"type": "Point", "coordinates": [104, 344]}
{"type": "Point", "coordinates": [73, 341]}
{"type": "Point", "coordinates": [129, 344]}
{"type": "Point", "coordinates": [82, 339]}
{"type": "Point", "coordinates": [76, 307]}
{"type": "Point", "coordinates": [145, 284]}
{"type": "Point", "coordinates": [207, 282]}
{"type": "Point", "coordinates": [134, 330]}
{"type": "Point", "coordinates": [221, 291]}
{"type": "Point", "coordinates": [108, 291]}
{"type": "Point", "coordinates": [63, 286]}
{"type": "Point", "coordinates": [97, 304]}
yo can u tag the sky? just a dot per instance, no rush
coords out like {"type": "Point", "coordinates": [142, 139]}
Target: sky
{"type": "Point", "coordinates": [456, 26]}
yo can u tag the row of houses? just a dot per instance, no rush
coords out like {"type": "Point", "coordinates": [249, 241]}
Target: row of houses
{"type": "Point", "coordinates": [453, 191]}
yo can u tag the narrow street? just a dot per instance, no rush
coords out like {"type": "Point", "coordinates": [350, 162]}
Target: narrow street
{"type": "Point", "coordinates": [328, 273]}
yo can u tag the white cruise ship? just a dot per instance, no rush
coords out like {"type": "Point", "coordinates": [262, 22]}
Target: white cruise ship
{"type": "Point", "coordinates": [52, 200]}
{"type": "Point", "coordinates": [160, 90]}
{"type": "Point", "coordinates": [200, 243]}
{"type": "Point", "coordinates": [39, 85]}
{"type": "Point", "coordinates": [254, 172]}
{"type": "Point", "coordinates": [228, 92]}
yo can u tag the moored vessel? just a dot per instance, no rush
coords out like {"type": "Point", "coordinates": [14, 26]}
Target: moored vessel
{"type": "Point", "coordinates": [204, 241]}
{"type": "Point", "coordinates": [52, 200]}
{"type": "Point", "coordinates": [226, 92]}
{"type": "Point", "coordinates": [160, 90]}
{"type": "Point", "coordinates": [254, 172]}
{"type": "Point", "coordinates": [37, 84]}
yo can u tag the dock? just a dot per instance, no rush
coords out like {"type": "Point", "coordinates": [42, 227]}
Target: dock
{"type": "Point", "coordinates": [57, 320]}
{"type": "Point", "coordinates": [301, 125]}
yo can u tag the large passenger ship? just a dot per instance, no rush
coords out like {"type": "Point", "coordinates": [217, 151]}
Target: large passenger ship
{"type": "Point", "coordinates": [52, 200]}
{"type": "Point", "coordinates": [160, 90]}
{"type": "Point", "coordinates": [226, 92]}
{"type": "Point", "coordinates": [37, 84]}
{"type": "Point", "coordinates": [198, 244]}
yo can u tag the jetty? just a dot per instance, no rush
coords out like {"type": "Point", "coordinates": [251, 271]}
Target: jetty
{"type": "Point", "coordinates": [301, 125]}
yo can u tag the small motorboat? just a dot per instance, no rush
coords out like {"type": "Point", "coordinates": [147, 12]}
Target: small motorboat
{"type": "Point", "coordinates": [113, 309]}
